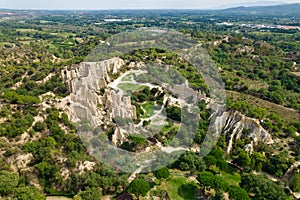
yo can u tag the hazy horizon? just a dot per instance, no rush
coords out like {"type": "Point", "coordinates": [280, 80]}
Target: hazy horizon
{"type": "Point", "coordinates": [128, 4]}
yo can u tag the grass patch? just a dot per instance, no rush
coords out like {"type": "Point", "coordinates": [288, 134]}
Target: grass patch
{"type": "Point", "coordinates": [127, 77]}
{"type": "Point", "coordinates": [180, 188]}
{"type": "Point", "coordinates": [23, 30]}
{"type": "Point", "coordinates": [231, 179]}
{"type": "Point", "coordinates": [149, 107]}
{"type": "Point", "coordinates": [130, 87]}
{"type": "Point", "coordinates": [64, 34]}
{"type": "Point", "coordinates": [23, 38]}
{"type": "Point", "coordinates": [45, 21]}
{"type": "Point", "coordinates": [167, 128]}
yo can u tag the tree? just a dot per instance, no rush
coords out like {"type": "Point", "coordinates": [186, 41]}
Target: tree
{"type": "Point", "coordinates": [146, 91]}
{"type": "Point", "coordinates": [262, 187]}
{"type": "Point", "coordinates": [220, 183]}
{"type": "Point", "coordinates": [40, 126]}
{"type": "Point", "coordinates": [206, 179]}
{"type": "Point", "coordinates": [238, 193]}
{"type": "Point", "coordinates": [210, 160]}
{"type": "Point", "coordinates": [8, 182]}
{"type": "Point", "coordinates": [257, 160]}
{"type": "Point", "coordinates": [219, 195]}
{"type": "Point", "coordinates": [28, 193]}
{"type": "Point", "coordinates": [174, 112]}
{"type": "Point", "coordinates": [295, 183]}
{"type": "Point", "coordinates": [190, 161]}
{"type": "Point", "coordinates": [139, 187]}
{"type": "Point", "coordinates": [89, 194]}
{"type": "Point", "coordinates": [243, 159]}
{"type": "Point", "coordinates": [162, 173]}
{"type": "Point", "coordinates": [142, 97]}
{"type": "Point", "coordinates": [57, 133]}
{"type": "Point", "coordinates": [278, 164]}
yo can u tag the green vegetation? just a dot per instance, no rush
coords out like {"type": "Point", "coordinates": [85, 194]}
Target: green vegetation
{"type": "Point", "coordinates": [149, 108]}
{"type": "Point", "coordinates": [139, 187]}
{"type": "Point", "coordinates": [237, 193]}
{"type": "Point", "coordinates": [179, 188]}
{"type": "Point", "coordinates": [262, 187]}
{"type": "Point", "coordinates": [174, 112]}
{"type": "Point", "coordinates": [260, 68]}
{"type": "Point", "coordinates": [162, 173]}
{"type": "Point", "coordinates": [8, 182]}
{"type": "Point", "coordinates": [129, 87]}
{"type": "Point", "coordinates": [28, 193]}
{"type": "Point", "coordinates": [90, 193]}
{"type": "Point", "coordinates": [295, 182]}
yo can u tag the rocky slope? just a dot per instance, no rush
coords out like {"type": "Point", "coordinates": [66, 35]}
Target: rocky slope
{"type": "Point", "coordinates": [85, 82]}
{"type": "Point", "coordinates": [238, 126]}
{"type": "Point", "coordinates": [85, 102]}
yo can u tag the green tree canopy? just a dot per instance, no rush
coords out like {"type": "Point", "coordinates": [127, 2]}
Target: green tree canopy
{"type": "Point", "coordinates": [238, 193]}
{"type": "Point", "coordinates": [8, 182]}
{"type": "Point", "coordinates": [89, 194]}
{"type": "Point", "coordinates": [262, 187]}
{"type": "Point", "coordinates": [206, 179]}
{"type": "Point", "coordinates": [162, 173]}
{"type": "Point", "coordinates": [28, 193]}
{"type": "Point", "coordinates": [295, 183]}
{"type": "Point", "coordinates": [139, 187]}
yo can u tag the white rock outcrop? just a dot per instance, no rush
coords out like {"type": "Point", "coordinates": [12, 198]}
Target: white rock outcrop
{"type": "Point", "coordinates": [240, 126]}
{"type": "Point", "coordinates": [86, 100]}
{"type": "Point", "coordinates": [118, 106]}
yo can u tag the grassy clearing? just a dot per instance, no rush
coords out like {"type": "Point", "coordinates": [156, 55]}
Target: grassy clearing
{"type": "Point", "coordinates": [23, 38]}
{"type": "Point", "coordinates": [59, 34]}
{"type": "Point", "coordinates": [166, 129]}
{"type": "Point", "coordinates": [231, 179]}
{"type": "Point", "coordinates": [127, 77]}
{"type": "Point", "coordinates": [130, 87]}
{"type": "Point", "coordinates": [179, 188]}
{"type": "Point", "coordinates": [62, 34]}
{"type": "Point", "coordinates": [149, 107]}
{"type": "Point", "coordinates": [287, 114]}
{"type": "Point", "coordinates": [255, 84]}
{"type": "Point", "coordinates": [45, 21]}
{"type": "Point", "coordinates": [23, 30]}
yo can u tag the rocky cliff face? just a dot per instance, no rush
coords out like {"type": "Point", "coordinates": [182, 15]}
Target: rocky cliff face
{"type": "Point", "coordinates": [118, 106]}
{"type": "Point", "coordinates": [238, 126]}
{"type": "Point", "coordinates": [93, 74]}
{"type": "Point", "coordinates": [85, 81]}
{"type": "Point", "coordinates": [85, 102]}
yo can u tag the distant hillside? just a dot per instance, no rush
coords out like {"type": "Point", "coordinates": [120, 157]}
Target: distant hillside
{"type": "Point", "coordinates": [283, 9]}
{"type": "Point", "coordinates": [263, 3]}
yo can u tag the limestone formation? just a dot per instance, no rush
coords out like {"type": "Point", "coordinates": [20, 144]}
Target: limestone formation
{"type": "Point", "coordinates": [120, 136]}
{"type": "Point", "coordinates": [85, 82]}
{"type": "Point", "coordinates": [119, 106]}
{"type": "Point", "coordinates": [241, 126]}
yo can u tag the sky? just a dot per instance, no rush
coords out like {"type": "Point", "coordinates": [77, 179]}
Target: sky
{"type": "Point", "coordinates": [124, 4]}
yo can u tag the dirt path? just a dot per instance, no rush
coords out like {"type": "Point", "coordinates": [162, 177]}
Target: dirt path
{"type": "Point", "coordinates": [288, 173]}
{"type": "Point", "coordinates": [18, 84]}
